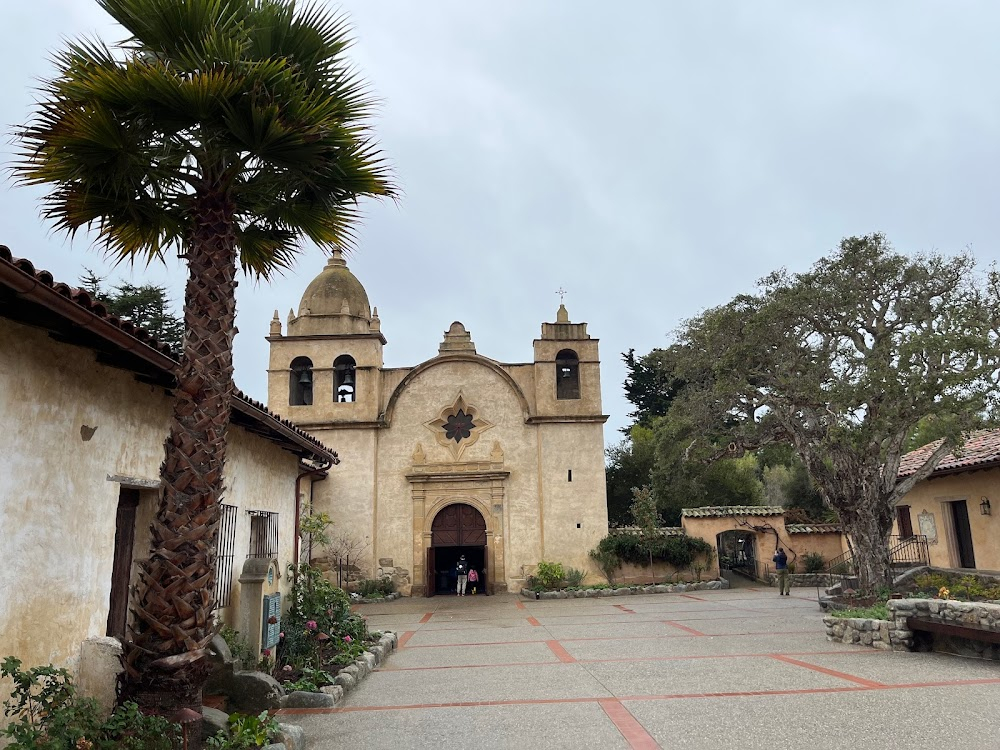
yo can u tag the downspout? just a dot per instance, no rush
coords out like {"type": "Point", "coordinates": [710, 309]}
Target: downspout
{"type": "Point", "coordinates": [298, 505]}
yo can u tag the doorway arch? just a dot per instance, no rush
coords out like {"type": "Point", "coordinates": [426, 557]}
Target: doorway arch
{"type": "Point", "coordinates": [458, 527]}
{"type": "Point", "coordinates": [737, 551]}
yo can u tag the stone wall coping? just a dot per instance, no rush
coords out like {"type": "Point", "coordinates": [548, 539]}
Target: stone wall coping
{"type": "Point", "coordinates": [660, 588]}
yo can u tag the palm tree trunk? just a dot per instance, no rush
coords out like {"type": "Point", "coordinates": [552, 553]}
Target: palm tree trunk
{"type": "Point", "coordinates": [175, 599]}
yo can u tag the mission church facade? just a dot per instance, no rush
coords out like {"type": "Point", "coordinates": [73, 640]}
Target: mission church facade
{"type": "Point", "coordinates": [459, 454]}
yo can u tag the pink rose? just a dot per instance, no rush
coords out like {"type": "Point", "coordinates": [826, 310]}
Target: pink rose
{"type": "Point", "coordinates": [311, 624]}
{"type": "Point", "coordinates": [266, 652]}
{"type": "Point", "coordinates": [281, 635]}
{"type": "Point", "coordinates": [348, 638]}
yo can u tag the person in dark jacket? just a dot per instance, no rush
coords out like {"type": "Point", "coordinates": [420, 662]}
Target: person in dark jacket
{"type": "Point", "coordinates": [462, 570]}
{"type": "Point", "coordinates": [781, 565]}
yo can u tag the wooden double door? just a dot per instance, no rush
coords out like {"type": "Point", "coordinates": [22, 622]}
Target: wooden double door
{"type": "Point", "coordinates": [455, 529]}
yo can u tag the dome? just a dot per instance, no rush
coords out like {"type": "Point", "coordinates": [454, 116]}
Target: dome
{"type": "Point", "coordinates": [336, 291]}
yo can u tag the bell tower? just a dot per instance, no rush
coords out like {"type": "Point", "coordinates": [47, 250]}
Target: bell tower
{"type": "Point", "coordinates": [567, 370]}
{"type": "Point", "coordinates": [325, 368]}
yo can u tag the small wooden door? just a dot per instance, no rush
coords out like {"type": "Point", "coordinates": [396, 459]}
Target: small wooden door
{"type": "Point", "coordinates": [429, 574]}
{"type": "Point", "coordinates": [904, 521]}
{"type": "Point", "coordinates": [963, 534]}
{"type": "Point", "coordinates": [121, 568]}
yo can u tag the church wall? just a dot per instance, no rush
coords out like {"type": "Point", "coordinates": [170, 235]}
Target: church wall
{"type": "Point", "coordinates": [347, 494]}
{"type": "Point", "coordinates": [59, 489]}
{"type": "Point", "coordinates": [423, 400]}
{"type": "Point", "coordinates": [577, 448]}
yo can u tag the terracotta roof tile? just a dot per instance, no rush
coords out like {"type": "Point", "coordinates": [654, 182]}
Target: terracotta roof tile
{"type": "Point", "coordinates": [83, 299]}
{"type": "Point", "coordinates": [982, 447]}
{"type": "Point", "coordinates": [813, 528]}
{"type": "Point", "coordinates": [721, 511]}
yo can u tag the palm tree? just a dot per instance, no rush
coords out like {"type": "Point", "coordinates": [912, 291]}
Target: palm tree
{"type": "Point", "coordinates": [225, 130]}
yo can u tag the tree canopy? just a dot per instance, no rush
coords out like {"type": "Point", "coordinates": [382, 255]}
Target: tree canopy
{"type": "Point", "coordinates": [843, 362]}
{"type": "Point", "coordinates": [145, 305]}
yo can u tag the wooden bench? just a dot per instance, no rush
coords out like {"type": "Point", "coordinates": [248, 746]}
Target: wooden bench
{"type": "Point", "coordinates": [960, 630]}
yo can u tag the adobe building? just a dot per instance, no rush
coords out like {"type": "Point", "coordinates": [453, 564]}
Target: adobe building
{"type": "Point", "coordinates": [459, 454]}
{"type": "Point", "coordinates": [954, 507]}
{"type": "Point", "coordinates": [86, 402]}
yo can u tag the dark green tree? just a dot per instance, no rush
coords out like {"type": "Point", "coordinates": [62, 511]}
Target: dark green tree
{"type": "Point", "coordinates": [228, 131]}
{"type": "Point", "coordinates": [629, 465]}
{"type": "Point", "coordinates": [651, 383]}
{"type": "Point", "coordinates": [843, 362]}
{"type": "Point", "coordinates": [146, 305]}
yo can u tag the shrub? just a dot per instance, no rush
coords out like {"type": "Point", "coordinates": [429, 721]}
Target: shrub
{"type": "Point", "coordinates": [239, 647]}
{"type": "Point", "coordinates": [607, 562]}
{"type": "Point", "coordinates": [245, 733]}
{"type": "Point", "coordinates": [550, 575]}
{"type": "Point", "coordinates": [574, 577]}
{"type": "Point", "coordinates": [375, 588]}
{"type": "Point", "coordinates": [874, 612]}
{"type": "Point", "coordinates": [46, 714]}
{"type": "Point", "coordinates": [814, 562]}
{"type": "Point", "coordinates": [681, 550]}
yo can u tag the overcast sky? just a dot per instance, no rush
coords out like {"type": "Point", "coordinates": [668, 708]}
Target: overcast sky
{"type": "Point", "coordinates": [652, 158]}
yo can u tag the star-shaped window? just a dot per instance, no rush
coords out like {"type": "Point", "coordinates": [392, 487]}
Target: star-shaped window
{"type": "Point", "coordinates": [459, 426]}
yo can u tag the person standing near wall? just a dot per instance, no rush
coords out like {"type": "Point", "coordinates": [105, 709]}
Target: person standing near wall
{"type": "Point", "coordinates": [781, 566]}
{"type": "Point", "coordinates": [462, 569]}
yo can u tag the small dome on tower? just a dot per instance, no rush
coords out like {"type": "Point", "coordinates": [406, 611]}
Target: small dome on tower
{"type": "Point", "coordinates": [336, 291]}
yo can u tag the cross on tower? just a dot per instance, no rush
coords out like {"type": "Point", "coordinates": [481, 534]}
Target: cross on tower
{"type": "Point", "coordinates": [562, 293]}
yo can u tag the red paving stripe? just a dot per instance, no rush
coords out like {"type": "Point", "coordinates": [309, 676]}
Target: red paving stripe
{"type": "Point", "coordinates": [696, 598]}
{"type": "Point", "coordinates": [830, 672]}
{"type": "Point", "coordinates": [426, 618]}
{"type": "Point", "coordinates": [675, 696]}
{"type": "Point", "coordinates": [519, 604]}
{"type": "Point", "coordinates": [624, 609]}
{"type": "Point", "coordinates": [633, 732]}
{"type": "Point", "coordinates": [533, 622]}
{"type": "Point", "coordinates": [690, 634]}
{"type": "Point", "coordinates": [685, 628]}
{"type": "Point", "coordinates": [405, 637]}
{"type": "Point", "coordinates": [630, 659]}
{"type": "Point", "coordinates": [559, 651]}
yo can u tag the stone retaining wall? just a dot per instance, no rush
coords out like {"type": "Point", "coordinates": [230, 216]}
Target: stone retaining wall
{"type": "Point", "coordinates": [874, 633]}
{"type": "Point", "coordinates": [894, 633]}
{"type": "Point", "coordinates": [803, 580]}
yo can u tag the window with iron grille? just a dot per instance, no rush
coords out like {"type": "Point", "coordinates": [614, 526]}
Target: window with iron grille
{"type": "Point", "coordinates": [263, 534]}
{"type": "Point", "coordinates": [226, 551]}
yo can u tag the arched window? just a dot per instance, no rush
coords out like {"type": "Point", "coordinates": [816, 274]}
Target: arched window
{"type": "Point", "coordinates": [567, 374]}
{"type": "Point", "coordinates": [344, 385]}
{"type": "Point", "coordinates": [300, 382]}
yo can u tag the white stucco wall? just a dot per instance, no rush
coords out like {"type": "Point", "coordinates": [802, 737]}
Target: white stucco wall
{"type": "Point", "coordinates": [57, 504]}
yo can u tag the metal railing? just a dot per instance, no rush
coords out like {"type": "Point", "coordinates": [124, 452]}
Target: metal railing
{"type": "Point", "coordinates": [904, 553]}
{"type": "Point", "coordinates": [909, 552]}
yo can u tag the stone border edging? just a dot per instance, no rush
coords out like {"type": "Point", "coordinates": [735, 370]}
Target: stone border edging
{"type": "Point", "coordinates": [347, 678]}
{"type": "Point", "coordinates": [660, 588]}
{"type": "Point", "coordinates": [387, 598]}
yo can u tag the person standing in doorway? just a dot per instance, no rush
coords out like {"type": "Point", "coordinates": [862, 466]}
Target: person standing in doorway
{"type": "Point", "coordinates": [462, 569]}
{"type": "Point", "coordinates": [781, 565]}
{"type": "Point", "coordinates": [474, 580]}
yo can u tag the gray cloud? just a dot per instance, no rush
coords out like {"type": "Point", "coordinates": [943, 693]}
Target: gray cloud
{"type": "Point", "coordinates": [652, 158]}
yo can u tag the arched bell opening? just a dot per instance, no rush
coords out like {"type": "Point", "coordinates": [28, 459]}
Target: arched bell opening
{"type": "Point", "coordinates": [300, 382]}
{"type": "Point", "coordinates": [567, 375]}
{"type": "Point", "coordinates": [344, 379]}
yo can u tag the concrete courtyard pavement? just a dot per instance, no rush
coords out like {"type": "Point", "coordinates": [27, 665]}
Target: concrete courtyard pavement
{"type": "Point", "coordinates": [711, 669]}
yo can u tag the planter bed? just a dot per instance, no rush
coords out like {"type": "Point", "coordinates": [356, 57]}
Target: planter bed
{"type": "Point", "coordinates": [660, 588]}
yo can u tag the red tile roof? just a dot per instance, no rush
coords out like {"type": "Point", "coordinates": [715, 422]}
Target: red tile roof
{"type": "Point", "coordinates": [159, 354]}
{"type": "Point", "coordinates": [981, 449]}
